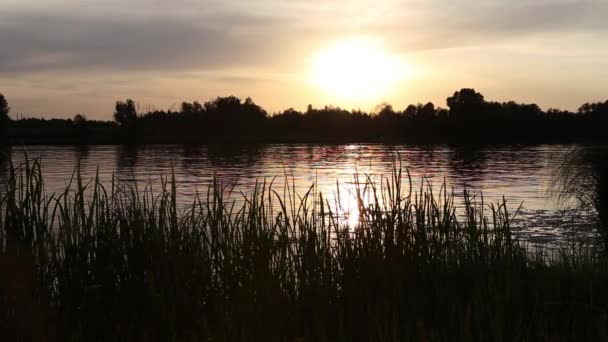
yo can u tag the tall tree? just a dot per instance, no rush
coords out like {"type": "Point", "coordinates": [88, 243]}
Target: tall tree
{"type": "Point", "coordinates": [597, 110]}
{"type": "Point", "coordinates": [466, 103]}
{"type": "Point", "coordinates": [80, 124]}
{"type": "Point", "coordinates": [427, 112]}
{"type": "Point", "coordinates": [125, 113]}
{"type": "Point", "coordinates": [4, 118]}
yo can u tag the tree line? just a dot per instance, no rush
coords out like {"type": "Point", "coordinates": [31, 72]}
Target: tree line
{"type": "Point", "coordinates": [469, 117]}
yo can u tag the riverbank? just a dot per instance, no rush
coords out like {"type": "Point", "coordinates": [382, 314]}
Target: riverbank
{"type": "Point", "coordinates": [107, 133]}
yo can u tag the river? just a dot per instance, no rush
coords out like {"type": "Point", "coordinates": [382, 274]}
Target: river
{"type": "Point", "coordinates": [522, 174]}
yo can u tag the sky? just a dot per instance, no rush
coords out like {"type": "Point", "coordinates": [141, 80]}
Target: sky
{"type": "Point", "coordinates": [62, 57]}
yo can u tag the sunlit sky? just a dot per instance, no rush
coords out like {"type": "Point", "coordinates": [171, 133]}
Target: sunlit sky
{"type": "Point", "coordinates": [62, 57]}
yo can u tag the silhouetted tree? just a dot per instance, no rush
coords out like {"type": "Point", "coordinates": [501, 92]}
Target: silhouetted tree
{"type": "Point", "coordinates": [291, 113]}
{"type": "Point", "coordinates": [309, 109]}
{"type": "Point", "coordinates": [125, 113]}
{"type": "Point", "coordinates": [420, 112]}
{"type": "Point", "coordinates": [442, 113]}
{"type": "Point", "coordinates": [80, 124]}
{"type": "Point", "coordinates": [410, 112]}
{"type": "Point", "coordinates": [466, 103]}
{"type": "Point", "coordinates": [227, 115]}
{"type": "Point", "coordinates": [192, 108]}
{"type": "Point", "coordinates": [517, 111]}
{"type": "Point", "coordinates": [4, 118]}
{"type": "Point", "coordinates": [4, 108]}
{"type": "Point", "coordinates": [289, 121]}
{"type": "Point", "coordinates": [386, 112]}
{"type": "Point", "coordinates": [427, 112]}
{"type": "Point", "coordinates": [595, 111]}
{"type": "Point", "coordinates": [254, 111]}
{"type": "Point", "coordinates": [388, 120]}
{"type": "Point", "coordinates": [470, 119]}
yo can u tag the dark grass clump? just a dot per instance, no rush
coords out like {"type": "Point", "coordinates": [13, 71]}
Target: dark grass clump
{"type": "Point", "coordinates": [582, 176]}
{"type": "Point", "coordinates": [103, 262]}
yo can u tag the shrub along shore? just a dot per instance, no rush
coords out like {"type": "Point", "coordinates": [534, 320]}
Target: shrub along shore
{"type": "Point", "coordinates": [468, 119]}
{"type": "Point", "coordinates": [103, 262]}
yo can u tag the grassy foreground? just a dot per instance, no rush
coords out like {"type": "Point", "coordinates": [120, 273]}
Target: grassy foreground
{"type": "Point", "coordinates": [104, 262]}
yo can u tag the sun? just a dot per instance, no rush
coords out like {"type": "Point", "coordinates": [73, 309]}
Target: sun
{"type": "Point", "coordinates": [355, 70]}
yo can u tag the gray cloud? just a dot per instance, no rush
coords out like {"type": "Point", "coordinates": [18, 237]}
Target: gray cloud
{"type": "Point", "coordinates": [206, 35]}
{"type": "Point", "coordinates": [34, 42]}
{"type": "Point", "coordinates": [439, 24]}
{"type": "Point", "coordinates": [530, 17]}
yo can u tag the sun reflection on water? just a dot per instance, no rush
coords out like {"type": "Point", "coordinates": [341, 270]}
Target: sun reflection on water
{"type": "Point", "coordinates": [520, 173]}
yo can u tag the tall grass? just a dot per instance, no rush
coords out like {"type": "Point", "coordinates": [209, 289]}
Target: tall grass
{"type": "Point", "coordinates": [113, 262]}
{"type": "Point", "coordinates": [582, 176]}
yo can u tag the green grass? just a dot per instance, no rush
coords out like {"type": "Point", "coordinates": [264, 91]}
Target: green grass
{"type": "Point", "coordinates": [108, 262]}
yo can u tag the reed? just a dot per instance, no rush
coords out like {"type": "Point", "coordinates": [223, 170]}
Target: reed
{"type": "Point", "coordinates": [117, 262]}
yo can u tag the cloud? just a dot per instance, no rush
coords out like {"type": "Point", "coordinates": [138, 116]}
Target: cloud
{"type": "Point", "coordinates": [35, 42]}
{"type": "Point", "coordinates": [532, 16]}
{"type": "Point", "coordinates": [204, 35]}
{"type": "Point", "coordinates": [434, 24]}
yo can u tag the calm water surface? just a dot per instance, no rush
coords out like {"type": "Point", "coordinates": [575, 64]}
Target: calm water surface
{"type": "Point", "coordinates": [520, 173]}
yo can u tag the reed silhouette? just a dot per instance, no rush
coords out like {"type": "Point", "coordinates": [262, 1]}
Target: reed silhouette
{"type": "Point", "coordinates": [582, 175]}
{"type": "Point", "coordinates": [102, 262]}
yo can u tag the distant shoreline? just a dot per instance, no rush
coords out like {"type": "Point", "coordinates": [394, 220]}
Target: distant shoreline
{"type": "Point", "coordinates": [303, 141]}
{"type": "Point", "coordinates": [469, 120]}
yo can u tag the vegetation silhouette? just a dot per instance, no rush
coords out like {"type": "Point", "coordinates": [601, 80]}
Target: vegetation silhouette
{"type": "Point", "coordinates": [469, 118]}
{"type": "Point", "coordinates": [125, 113]}
{"type": "Point", "coordinates": [80, 125]}
{"type": "Point", "coordinates": [582, 175]}
{"type": "Point", "coordinates": [4, 118]}
{"type": "Point", "coordinates": [104, 262]}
